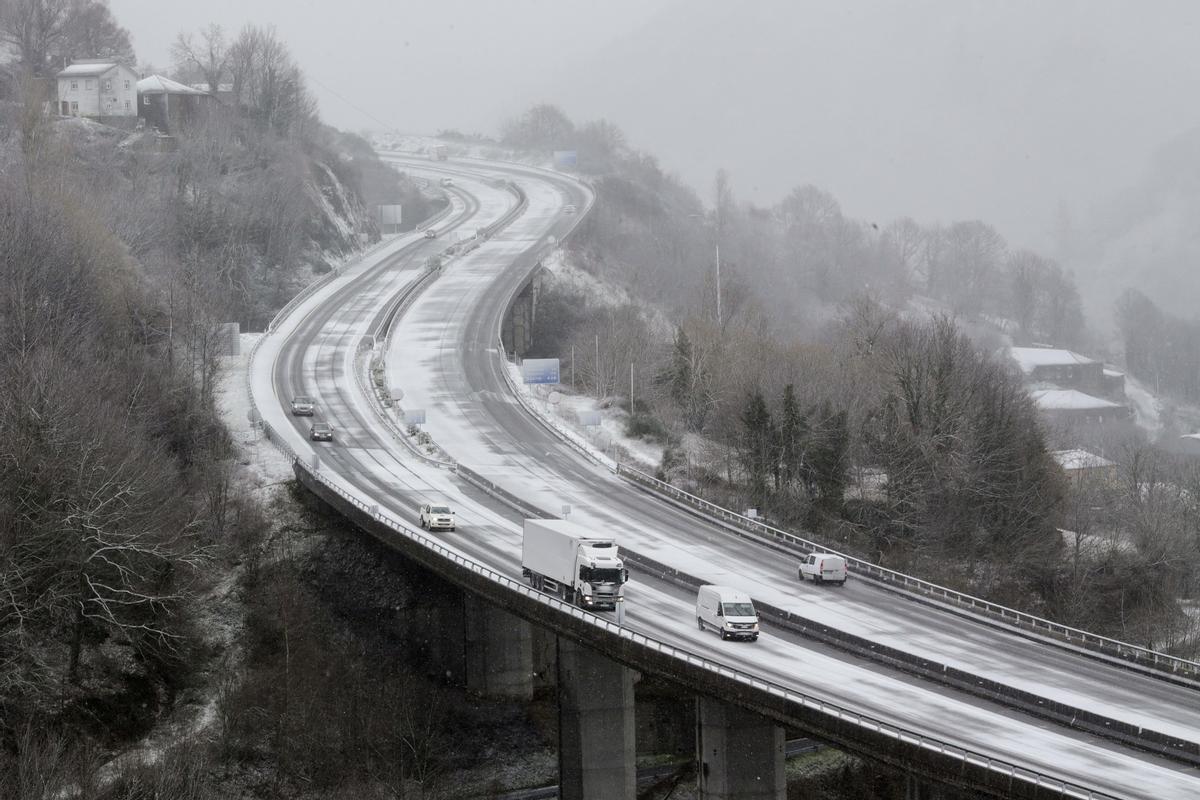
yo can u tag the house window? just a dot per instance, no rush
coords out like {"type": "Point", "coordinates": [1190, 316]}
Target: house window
{"type": "Point", "coordinates": [87, 84]}
{"type": "Point", "coordinates": [127, 106]}
{"type": "Point", "coordinates": [108, 84]}
{"type": "Point", "coordinates": [74, 86]}
{"type": "Point", "coordinates": [74, 108]}
{"type": "Point", "coordinates": [127, 85]}
{"type": "Point", "coordinates": [145, 99]}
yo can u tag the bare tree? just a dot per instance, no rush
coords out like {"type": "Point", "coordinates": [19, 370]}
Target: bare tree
{"type": "Point", "coordinates": [47, 33]}
{"type": "Point", "coordinates": [268, 83]}
{"type": "Point", "coordinates": [205, 57]}
{"type": "Point", "coordinates": [34, 28]}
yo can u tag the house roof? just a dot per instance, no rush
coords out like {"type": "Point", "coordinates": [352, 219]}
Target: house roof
{"type": "Point", "coordinates": [1069, 400]}
{"type": "Point", "coordinates": [157, 84]}
{"type": "Point", "coordinates": [1079, 459]}
{"type": "Point", "coordinates": [1028, 358]}
{"type": "Point", "coordinates": [1109, 372]}
{"type": "Point", "coordinates": [87, 68]}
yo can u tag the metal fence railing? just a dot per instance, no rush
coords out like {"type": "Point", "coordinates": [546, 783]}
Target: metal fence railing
{"type": "Point", "coordinates": [1020, 619]}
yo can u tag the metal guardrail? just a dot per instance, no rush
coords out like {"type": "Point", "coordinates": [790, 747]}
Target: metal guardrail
{"type": "Point", "coordinates": [1025, 621]}
{"type": "Point", "coordinates": [693, 659]}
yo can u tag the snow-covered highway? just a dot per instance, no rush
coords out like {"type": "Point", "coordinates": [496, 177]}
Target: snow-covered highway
{"type": "Point", "coordinates": [445, 357]}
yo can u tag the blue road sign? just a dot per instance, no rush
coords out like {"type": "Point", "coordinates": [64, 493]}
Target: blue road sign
{"type": "Point", "coordinates": [540, 370]}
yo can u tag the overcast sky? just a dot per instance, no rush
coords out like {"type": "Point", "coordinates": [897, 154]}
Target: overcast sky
{"type": "Point", "coordinates": [938, 109]}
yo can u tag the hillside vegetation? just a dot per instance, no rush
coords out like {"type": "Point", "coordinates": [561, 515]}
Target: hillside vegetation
{"type": "Point", "coordinates": [851, 384]}
{"type": "Point", "coordinates": [121, 258]}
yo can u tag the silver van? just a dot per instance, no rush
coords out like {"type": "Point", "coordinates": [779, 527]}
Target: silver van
{"type": "Point", "coordinates": [727, 611]}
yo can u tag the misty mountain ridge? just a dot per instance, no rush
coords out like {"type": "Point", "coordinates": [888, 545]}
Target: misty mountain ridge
{"type": "Point", "coordinates": [936, 110]}
{"type": "Point", "coordinates": [1146, 236]}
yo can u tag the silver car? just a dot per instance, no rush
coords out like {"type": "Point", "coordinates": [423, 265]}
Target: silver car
{"type": "Point", "coordinates": [302, 406]}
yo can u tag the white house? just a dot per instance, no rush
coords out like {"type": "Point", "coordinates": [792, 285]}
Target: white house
{"type": "Point", "coordinates": [97, 88]}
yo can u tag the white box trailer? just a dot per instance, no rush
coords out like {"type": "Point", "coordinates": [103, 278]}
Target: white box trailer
{"type": "Point", "coordinates": [570, 561]}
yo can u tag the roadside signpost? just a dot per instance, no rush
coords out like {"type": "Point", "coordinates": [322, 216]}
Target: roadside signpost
{"type": "Point", "coordinates": [540, 370]}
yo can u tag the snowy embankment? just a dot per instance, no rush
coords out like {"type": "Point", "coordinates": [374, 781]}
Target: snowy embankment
{"type": "Point", "coordinates": [261, 464]}
{"type": "Point", "coordinates": [1146, 408]}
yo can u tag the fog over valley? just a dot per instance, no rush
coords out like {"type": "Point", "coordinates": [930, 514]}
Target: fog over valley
{"type": "Point", "coordinates": [1033, 117]}
{"type": "Point", "coordinates": [599, 399]}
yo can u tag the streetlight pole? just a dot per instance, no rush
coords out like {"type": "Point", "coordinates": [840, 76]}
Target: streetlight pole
{"type": "Point", "coordinates": [716, 250]}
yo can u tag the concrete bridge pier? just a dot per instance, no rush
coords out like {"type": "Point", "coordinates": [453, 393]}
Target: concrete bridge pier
{"type": "Point", "coordinates": [739, 754]}
{"type": "Point", "coordinates": [498, 651]}
{"type": "Point", "coordinates": [597, 748]}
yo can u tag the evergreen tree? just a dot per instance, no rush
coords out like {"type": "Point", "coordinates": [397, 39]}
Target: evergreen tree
{"type": "Point", "coordinates": [793, 439]}
{"type": "Point", "coordinates": [827, 457]}
{"type": "Point", "coordinates": [678, 376]}
{"type": "Point", "coordinates": [758, 446]}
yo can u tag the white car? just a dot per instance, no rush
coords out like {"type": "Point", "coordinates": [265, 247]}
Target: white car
{"type": "Point", "coordinates": [824, 568]}
{"type": "Point", "coordinates": [435, 518]}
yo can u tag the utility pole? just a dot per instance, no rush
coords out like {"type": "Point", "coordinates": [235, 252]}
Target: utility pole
{"type": "Point", "coordinates": [597, 366]}
{"type": "Point", "coordinates": [572, 366]}
{"type": "Point", "coordinates": [630, 388]}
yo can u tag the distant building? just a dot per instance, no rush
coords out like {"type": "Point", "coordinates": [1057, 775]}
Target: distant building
{"type": "Point", "coordinates": [1082, 465]}
{"type": "Point", "coordinates": [1075, 411]}
{"type": "Point", "coordinates": [1063, 368]}
{"type": "Point", "coordinates": [98, 89]}
{"type": "Point", "coordinates": [169, 106]}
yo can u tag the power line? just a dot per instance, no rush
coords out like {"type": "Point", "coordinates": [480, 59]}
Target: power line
{"type": "Point", "coordinates": [387, 126]}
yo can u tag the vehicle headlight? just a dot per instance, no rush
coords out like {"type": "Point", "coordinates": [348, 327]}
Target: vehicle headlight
{"type": "Point", "coordinates": [729, 625]}
{"type": "Point", "coordinates": [755, 626]}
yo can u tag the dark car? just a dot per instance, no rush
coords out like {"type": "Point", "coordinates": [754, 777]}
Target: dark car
{"type": "Point", "coordinates": [320, 432]}
{"type": "Point", "coordinates": [430, 233]}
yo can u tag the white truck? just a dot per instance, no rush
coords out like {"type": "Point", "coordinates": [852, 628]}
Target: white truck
{"type": "Point", "coordinates": [562, 558]}
{"type": "Point", "coordinates": [440, 152]}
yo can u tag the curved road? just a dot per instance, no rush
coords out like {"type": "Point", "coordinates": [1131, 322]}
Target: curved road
{"type": "Point", "coordinates": [445, 357]}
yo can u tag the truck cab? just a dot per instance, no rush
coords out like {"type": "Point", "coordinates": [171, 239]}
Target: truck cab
{"type": "Point", "coordinates": [601, 574]}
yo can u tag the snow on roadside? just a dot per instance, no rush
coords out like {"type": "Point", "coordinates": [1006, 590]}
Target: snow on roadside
{"type": "Point", "coordinates": [1146, 408]}
{"type": "Point", "coordinates": [561, 410]}
{"type": "Point", "coordinates": [262, 463]}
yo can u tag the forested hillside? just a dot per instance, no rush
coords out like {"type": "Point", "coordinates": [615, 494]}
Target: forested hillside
{"type": "Point", "coordinates": [122, 255]}
{"type": "Point", "coordinates": [851, 380]}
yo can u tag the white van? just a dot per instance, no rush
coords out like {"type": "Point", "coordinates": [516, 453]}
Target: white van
{"type": "Point", "coordinates": [727, 611]}
{"type": "Point", "coordinates": [824, 568]}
